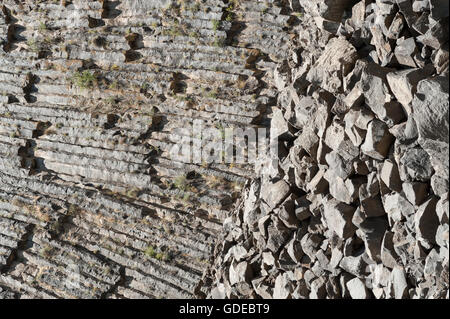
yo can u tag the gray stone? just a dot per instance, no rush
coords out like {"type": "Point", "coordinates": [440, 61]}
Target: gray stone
{"type": "Point", "coordinates": [405, 51]}
{"type": "Point", "coordinates": [318, 288]}
{"type": "Point", "coordinates": [439, 9]}
{"type": "Point", "coordinates": [388, 255]}
{"type": "Point", "coordinates": [372, 231]}
{"type": "Point", "coordinates": [318, 185]}
{"type": "Point", "coordinates": [294, 249]}
{"type": "Point", "coordinates": [390, 176]}
{"type": "Point", "coordinates": [377, 95]}
{"type": "Point", "coordinates": [278, 234]}
{"type": "Point", "coordinates": [415, 165]}
{"type": "Point", "coordinates": [430, 110]}
{"type": "Point", "coordinates": [338, 217]}
{"type": "Point", "coordinates": [426, 221]}
{"type": "Point", "coordinates": [336, 61]}
{"type": "Point", "coordinates": [397, 207]}
{"type": "Point", "coordinates": [274, 194]}
{"type": "Point", "coordinates": [415, 192]}
{"type": "Point", "coordinates": [302, 208]}
{"type": "Point", "coordinates": [357, 289]}
{"type": "Point", "coordinates": [310, 244]}
{"type": "Point", "coordinates": [404, 83]}
{"type": "Point", "coordinates": [241, 272]}
{"type": "Point", "coordinates": [378, 140]}
{"type": "Point", "coordinates": [283, 287]}
{"type": "Point", "coordinates": [279, 126]}
{"type": "Point", "coordinates": [399, 283]}
{"type": "Point", "coordinates": [353, 265]}
{"type": "Point", "coordinates": [286, 213]}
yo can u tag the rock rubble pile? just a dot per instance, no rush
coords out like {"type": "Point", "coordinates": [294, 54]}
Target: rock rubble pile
{"type": "Point", "coordinates": [356, 205]}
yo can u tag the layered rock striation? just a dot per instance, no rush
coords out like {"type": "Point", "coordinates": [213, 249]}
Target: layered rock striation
{"type": "Point", "coordinates": [95, 95]}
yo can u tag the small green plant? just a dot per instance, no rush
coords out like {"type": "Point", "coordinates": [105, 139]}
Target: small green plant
{"type": "Point", "coordinates": [193, 34]}
{"type": "Point", "coordinates": [212, 94]}
{"type": "Point", "coordinates": [215, 24]}
{"type": "Point", "coordinates": [83, 80]}
{"type": "Point", "coordinates": [42, 26]}
{"type": "Point", "coordinates": [72, 210]}
{"type": "Point", "coordinates": [195, 7]}
{"type": "Point", "coordinates": [46, 251]}
{"type": "Point", "coordinates": [111, 101]}
{"type": "Point", "coordinates": [219, 42]}
{"type": "Point", "coordinates": [180, 183]}
{"type": "Point", "coordinates": [150, 252]}
{"type": "Point", "coordinates": [133, 193]}
{"type": "Point", "coordinates": [33, 45]}
{"type": "Point", "coordinates": [114, 85]}
{"type": "Point", "coordinates": [145, 86]}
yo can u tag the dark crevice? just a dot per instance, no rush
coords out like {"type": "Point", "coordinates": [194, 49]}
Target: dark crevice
{"type": "Point", "coordinates": [95, 23]}
{"type": "Point", "coordinates": [132, 55]}
{"type": "Point", "coordinates": [111, 121]}
{"type": "Point", "coordinates": [109, 9]}
{"type": "Point", "coordinates": [29, 87]}
{"type": "Point", "coordinates": [24, 243]}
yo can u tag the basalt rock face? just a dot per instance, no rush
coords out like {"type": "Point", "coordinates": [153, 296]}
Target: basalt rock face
{"type": "Point", "coordinates": [95, 95]}
{"type": "Point", "coordinates": [363, 124]}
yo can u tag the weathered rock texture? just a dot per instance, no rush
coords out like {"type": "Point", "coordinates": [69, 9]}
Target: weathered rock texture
{"type": "Point", "coordinates": [363, 123]}
{"type": "Point", "coordinates": [93, 94]}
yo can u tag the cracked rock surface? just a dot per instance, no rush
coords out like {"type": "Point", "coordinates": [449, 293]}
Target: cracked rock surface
{"type": "Point", "coordinates": [95, 94]}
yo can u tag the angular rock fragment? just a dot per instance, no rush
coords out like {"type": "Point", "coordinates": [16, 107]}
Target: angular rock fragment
{"type": "Point", "coordinates": [426, 221]}
{"type": "Point", "coordinates": [372, 231]}
{"type": "Point", "coordinates": [405, 51]}
{"type": "Point", "coordinates": [283, 287]}
{"type": "Point", "coordinates": [318, 288]}
{"type": "Point", "coordinates": [242, 272]}
{"type": "Point", "coordinates": [357, 289]}
{"type": "Point", "coordinates": [388, 255]}
{"type": "Point", "coordinates": [403, 84]}
{"type": "Point", "coordinates": [353, 265]}
{"type": "Point", "coordinates": [377, 95]}
{"type": "Point", "coordinates": [437, 35]}
{"type": "Point", "coordinates": [310, 244]}
{"type": "Point", "coordinates": [356, 123]}
{"type": "Point", "coordinates": [431, 112]}
{"type": "Point", "coordinates": [279, 126]}
{"type": "Point", "coordinates": [278, 234]}
{"type": "Point", "coordinates": [397, 207]}
{"type": "Point", "coordinates": [336, 62]}
{"type": "Point", "coordinates": [399, 283]}
{"type": "Point", "coordinates": [275, 193]}
{"type": "Point", "coordinates": [378, 140]}
{"type": "Point", "coordinates": [439, 9]}
{"type": "Point", "coordinates": [318, 184]}
{"type": "Point", "coordinates": [415, 192]}
{"type": "Point", "coordinates": [415, 165]}
{"type": "Point", "coordinates": [338, 217]}
{"type": "Point", "coordinates": [390, 176]}
{"type": "Point", "coordinates": [302, 211]}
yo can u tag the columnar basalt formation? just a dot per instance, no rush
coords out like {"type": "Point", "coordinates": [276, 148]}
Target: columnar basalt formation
{"type": "Point", "coordinates": [94, 95]}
